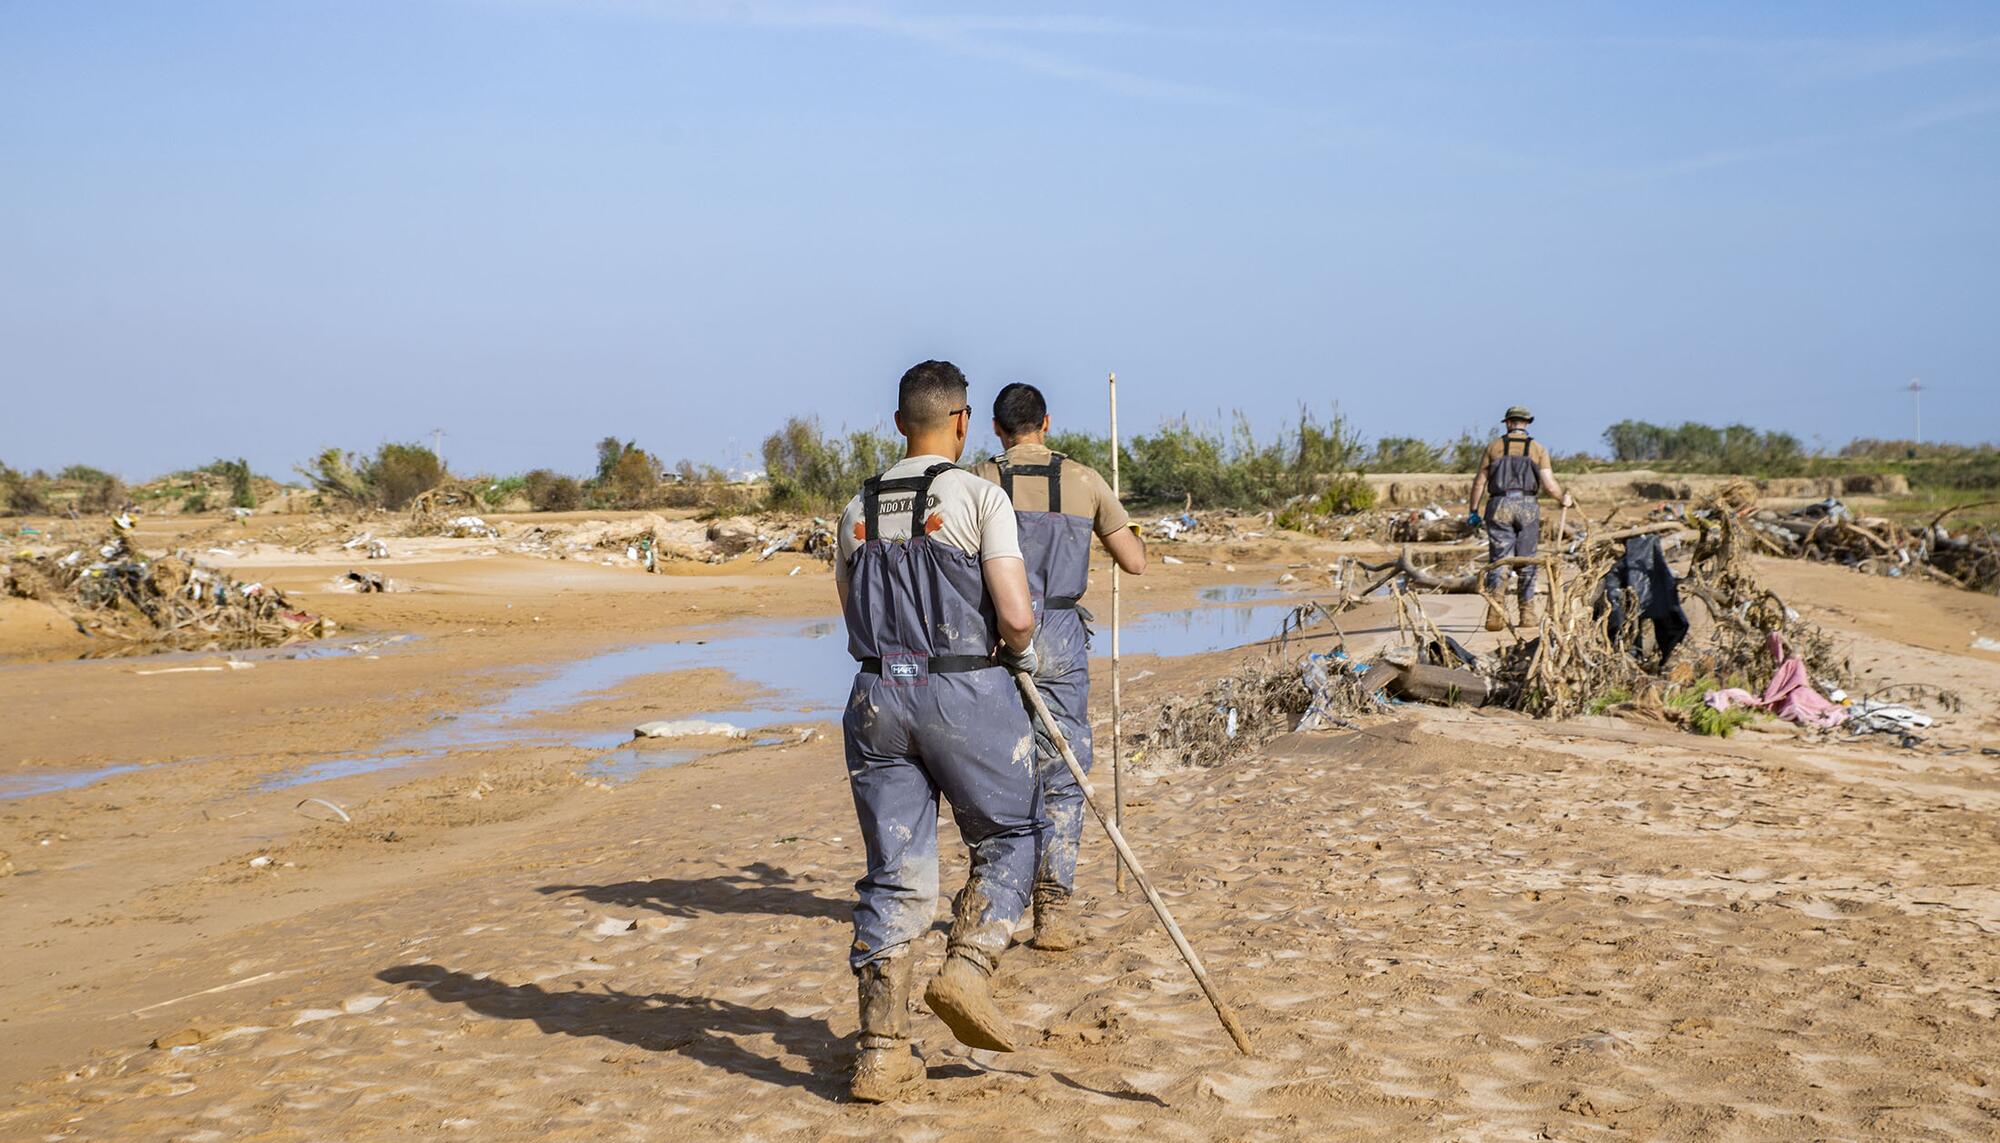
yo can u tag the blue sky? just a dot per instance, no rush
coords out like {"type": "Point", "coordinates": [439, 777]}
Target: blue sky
{"type": "Point", "coordinates": [265, 228]}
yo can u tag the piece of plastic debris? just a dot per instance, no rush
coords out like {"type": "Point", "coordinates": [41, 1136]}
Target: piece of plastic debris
{"type": "Point", "coordinates": [688, 728]}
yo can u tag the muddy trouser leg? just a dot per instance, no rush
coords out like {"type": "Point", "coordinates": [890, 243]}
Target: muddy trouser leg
{"type": "Point", "coordinates": [1064, 683]}
{"type": "Point", "coordinates": [977, 747]}
{"type": "Point", "coordinates": [1527, 538]}
{"type": "Point", "coordinates": [1499, 541]}
{"type": "Point", "coordinates": [896, 801]}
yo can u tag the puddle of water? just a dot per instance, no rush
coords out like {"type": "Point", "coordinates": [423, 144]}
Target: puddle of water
{"type": "Point", "coordinates": [806, 666]}
{"type": "Point", "coordinates": [803, 667]}
{"type": "Point", "coordinates": [1239, 593]}
{"type": "Point", "coordinates": [1196, 630]}
{"type": "Point", "coordinates": [28, 785]}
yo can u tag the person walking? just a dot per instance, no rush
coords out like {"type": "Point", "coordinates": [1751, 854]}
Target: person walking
{"type": "Point", "coordinates": [938, 614]}
{"type": "Point", "coordinates": [1515, 471]}
{"type": "Point", "coordinates": [1058, 503]}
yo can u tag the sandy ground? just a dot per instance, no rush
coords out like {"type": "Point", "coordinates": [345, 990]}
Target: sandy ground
{"type": "Point", "coordinates": [1447, 924]}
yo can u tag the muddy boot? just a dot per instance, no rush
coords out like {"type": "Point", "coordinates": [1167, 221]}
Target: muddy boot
{"type": "Point", "coordinates": [886, 1063]}
{"type": "Point", "coordinates": [1496, 619]}
{"type": "Point", "coordinates": [1531, 611]}
{"type": "Point", "coordinates": [1058, 925]}
{"type": "Point", "coordinates": [962, 996]}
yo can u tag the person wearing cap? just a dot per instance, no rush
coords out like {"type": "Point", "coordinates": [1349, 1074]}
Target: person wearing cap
{"type": "Point", "coordinates": [1515, 471]}
{"type": "Point", "coordinates": [1059, 504]}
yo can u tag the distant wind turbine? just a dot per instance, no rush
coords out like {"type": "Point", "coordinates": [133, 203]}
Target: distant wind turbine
{"type": "Point", "coordinates": [1916, 391]}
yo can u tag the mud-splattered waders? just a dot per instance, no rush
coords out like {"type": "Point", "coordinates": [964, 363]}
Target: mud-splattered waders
{"type": "Point", "coordinates": [1513, 515]}
{"type": "Point", "coordinates": [1057, 550]}
{"type": "Point", "coordinates": [930, 713]}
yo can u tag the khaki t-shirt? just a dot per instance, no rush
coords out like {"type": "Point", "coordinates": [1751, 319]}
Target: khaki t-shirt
{"type": "Point", "coordinates": [1084, 493]}
{"type": "Point", "coordinates": [1536, 453]}
{"type": "Point", "coordinates": [966, 512]}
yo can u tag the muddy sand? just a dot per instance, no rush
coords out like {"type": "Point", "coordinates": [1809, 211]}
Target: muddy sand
{"type": "Point", "coordinates": [1445, 924]}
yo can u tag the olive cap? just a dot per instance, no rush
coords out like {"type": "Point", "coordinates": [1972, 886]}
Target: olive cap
{"type": "Point", "coordinates": [1519, 413]}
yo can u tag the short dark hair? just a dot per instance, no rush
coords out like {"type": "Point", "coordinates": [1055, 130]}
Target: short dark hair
{"type": "Point", "coordinates": [929, 393]}
{"type": "Point", "coordinates": [1019, 409]}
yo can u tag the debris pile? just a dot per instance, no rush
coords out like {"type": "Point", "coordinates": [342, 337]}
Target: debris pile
{"type": "Point", "coordinates": [1828, 531]}
{"type": "Point", "coordinates": [167, 604]}
{"type": "Point", "coordinates": [450, 509]}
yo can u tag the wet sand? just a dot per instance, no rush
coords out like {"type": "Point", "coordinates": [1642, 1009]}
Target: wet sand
{"type": "Point", "coordinates": [1448, 924]}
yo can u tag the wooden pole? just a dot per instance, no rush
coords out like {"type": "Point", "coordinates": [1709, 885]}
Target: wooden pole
{"type": "Point", "coordinates": [1117, 704]}
{"type": "Point", "coordinates": [1222, 1010]}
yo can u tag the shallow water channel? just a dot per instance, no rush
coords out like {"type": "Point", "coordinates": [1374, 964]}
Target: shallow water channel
{"type": "Point", "coordinates": [797, 674]}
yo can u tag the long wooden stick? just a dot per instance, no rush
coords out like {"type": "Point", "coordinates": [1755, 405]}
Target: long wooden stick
{"type": "Point", "coordinates": [1222, 1010]}
{"type": "Point", "coordinates": [1117, 703]}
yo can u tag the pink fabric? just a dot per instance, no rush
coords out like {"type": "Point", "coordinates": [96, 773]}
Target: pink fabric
{"type": "Point", "coordinates": [1789, 695]}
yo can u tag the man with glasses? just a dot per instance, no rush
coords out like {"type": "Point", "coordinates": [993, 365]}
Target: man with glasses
{"type": "Point", "coordinates": [935, 596]}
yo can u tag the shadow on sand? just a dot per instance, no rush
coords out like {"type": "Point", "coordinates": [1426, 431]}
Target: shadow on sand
{"type": "Point", "coordinates": [759, 888]}
{"type": "Point", "coordinates": [699, 1028]}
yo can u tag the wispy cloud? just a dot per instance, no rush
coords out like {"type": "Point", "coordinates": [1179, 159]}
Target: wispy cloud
{"type": "Point", "coordinates": [1945, 114]}
{"type": "Point", "coordinates": [985, 37]}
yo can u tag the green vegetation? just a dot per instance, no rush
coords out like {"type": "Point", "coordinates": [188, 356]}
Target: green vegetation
{"type": "Point", "coordinates": [549, 491]}
{"type": "Point", "coordinates": [1182, 462]}
{"type": "Point", "coordinates": [813, 472]}
{"type": "Point", "coordinates": [394, 476]}
{"type": "Point", "coordinates": [1730, 449]}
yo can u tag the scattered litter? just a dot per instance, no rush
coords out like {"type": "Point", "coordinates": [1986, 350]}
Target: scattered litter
{"type": "Point", "coordinates": [1171, 560]}
{"type": "Point", "coordinates": [688, 728]}
{"type": "Point", "coordinates": [1986, 643]}
{"type": "Point", "coordinates": [228, 665]}
{"type": "Point", "coordinates": [363, 582]}
{"type": "Point", "coordinates": [340, 813]}
{"type": "Point", "coordinates": [260, 861]}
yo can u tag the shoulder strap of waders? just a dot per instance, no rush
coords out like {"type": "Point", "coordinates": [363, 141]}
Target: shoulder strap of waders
{"type": "Point", "coordinates": [1052, 471]}
{"type": "Point", "coordinates": [919, 486]}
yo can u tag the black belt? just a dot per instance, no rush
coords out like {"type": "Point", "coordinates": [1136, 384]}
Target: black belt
{"type": "Point", "coordinates": [938, 664]}
{"type": "Point", "coordinates": [1061, 603]}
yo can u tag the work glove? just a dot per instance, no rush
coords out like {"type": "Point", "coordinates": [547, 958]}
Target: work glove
{"type": "Point", "coordinates": [1472, 519]}
{"type": "Point", "coordinates": [1022, 660]}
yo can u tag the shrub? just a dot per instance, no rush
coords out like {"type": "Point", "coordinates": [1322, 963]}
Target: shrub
{"type": "Point", "coordinates": [396, 475]}
{"type": "Point", "coordinates": [627, 476]}
{"type": "Point", "coordinates": [1735, 449]}
{"type": "Point", "coordinates": [1182, 462]}
{"type": "Point", "coordinates": [1405, 454]}
{"type": "Point", "coordinates": [401, 472]}
{"type": "Point", "coordinates": [22, 494]}
{"type": "Point", "coordinates": [811, 471]}
{"type": "Point", "coordinates": [97, 491]}
{"type": "Point", "coordinates": [242, 489]}
{"type": "Point", "coordinates": [550, 491]}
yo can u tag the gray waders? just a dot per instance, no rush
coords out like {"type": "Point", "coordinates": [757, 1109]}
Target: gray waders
{"type": "Point", "coordinates": [1513, 515]}
{"type": "Point", "coordinates": [1057, 550]}
{"type": "Point", "coordinates": [931, 713]}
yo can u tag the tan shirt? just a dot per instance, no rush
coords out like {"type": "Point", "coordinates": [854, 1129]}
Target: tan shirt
{"type": "Point", "coordinates": [1084, 493]}
{"type": "Point", "coordinates": [1536, 453]}
{"type": "Point", "coordinates": [966, 512]}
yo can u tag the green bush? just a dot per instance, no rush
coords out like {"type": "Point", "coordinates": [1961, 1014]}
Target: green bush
{"type": "Point", "coordinates": [550, 491]}
{"type": "Point", "coordinates": [1735, 449]}
{"type": "Point", "coordinates": [811, 471]}
{"type": "Point", "coordinates": [1181, 462]}
{"type": "Point", "coordinates": [627, 476]}
{"type": "Point", "coordinates": [402, 472]}
{"type": "Point", "coordinates": [1406, 454]}
{"type": "Point", "coordinates": [242, 487]}
{"type": "Point", "coordinates": [396, 475]}
{"type": "Point", "coordinates": [22, 494]}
